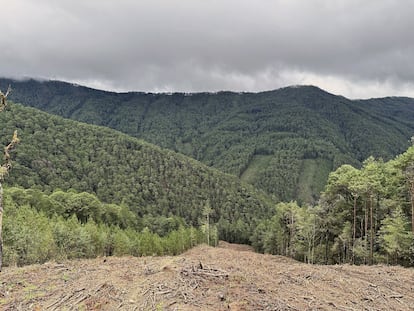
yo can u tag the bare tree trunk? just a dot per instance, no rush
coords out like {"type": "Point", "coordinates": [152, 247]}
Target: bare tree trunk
{"type": "Point", "coordinates": [208, 229]}
{"type": "Point", "coordinates": [409, 175]}
{"type": "Point", "coordinates": [371, 240]}
{"type": "Point", "coordinates": [5, 168]}
{"type": "Point", "coordinates": [354, 231]}
{"type": "Point", "coordinates": [412, 207]}
{"type": "Point", "coordinates": [291, 235]}
{"type": "Point", "coordinates": [207, 210]}
{"type": "Point", "coordinates": [1, 226]}
{"type": "Point", "coordinates": [313, 245]}
{"type": "Point", "coordinates": [366, 231]}
{"type": "Point", "coordinates": [326, 246]}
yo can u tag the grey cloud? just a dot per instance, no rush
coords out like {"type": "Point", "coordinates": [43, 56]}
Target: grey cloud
{"type": "Point", "coordinates": [208, 45]}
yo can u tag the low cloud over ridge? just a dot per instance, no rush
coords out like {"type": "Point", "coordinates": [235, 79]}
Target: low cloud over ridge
{"type": "Point", "coordinates": [355, 48]}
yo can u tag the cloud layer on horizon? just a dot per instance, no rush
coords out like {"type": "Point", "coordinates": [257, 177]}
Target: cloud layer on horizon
{"type": "Point", "coordinates": [357, 48]}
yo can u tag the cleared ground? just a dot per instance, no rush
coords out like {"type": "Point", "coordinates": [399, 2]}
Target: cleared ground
{"type": "Point", "coordinates": [257, 166]}
{"type": "Point", "coordinates": [229, 277]}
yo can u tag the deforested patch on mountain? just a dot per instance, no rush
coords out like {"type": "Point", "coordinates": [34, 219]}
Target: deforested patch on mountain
{"type": "Point", "coordinates": [55, 153]}
{"type": "Point", "coordinates": [284, 142]}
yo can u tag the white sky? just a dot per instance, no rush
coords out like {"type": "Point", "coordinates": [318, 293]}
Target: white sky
{"type": "Point", "coordinates": [355, 48]}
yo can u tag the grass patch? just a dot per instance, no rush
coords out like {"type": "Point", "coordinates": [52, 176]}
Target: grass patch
{"type": "Point", "coordinates": [313, 177]}
{"type": "Point", "coordinates": [258, 164]}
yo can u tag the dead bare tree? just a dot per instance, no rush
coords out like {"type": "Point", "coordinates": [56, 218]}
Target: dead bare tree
{"type": "Point", "coordinates": [4, 169]}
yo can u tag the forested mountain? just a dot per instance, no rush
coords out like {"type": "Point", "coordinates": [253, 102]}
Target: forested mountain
{"type": "Point", "coordinates": [55, 153]}
{"type": "Point", "coordinates": [284, 141]}
{"type": "Point", "coordinates": [116, 194]}
{"type": "Point", "coordinates": [98, 190]}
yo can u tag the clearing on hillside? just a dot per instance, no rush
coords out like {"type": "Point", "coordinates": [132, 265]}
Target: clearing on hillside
{"type": "Point", "coordinates": [229, 277]}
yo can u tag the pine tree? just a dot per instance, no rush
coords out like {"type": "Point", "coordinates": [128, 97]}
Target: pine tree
{"type": "Point", "coordinates": [395, 235]}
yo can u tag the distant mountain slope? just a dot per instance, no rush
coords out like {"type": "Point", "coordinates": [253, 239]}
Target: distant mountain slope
{"type": "Point", "coordinates": [284, 142]}
{"type": "Point", "coordinates": [397, 109]}
{"type": "Point", "coordinates": [59, 153]}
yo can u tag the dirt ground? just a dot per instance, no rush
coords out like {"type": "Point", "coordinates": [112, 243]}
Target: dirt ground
{"type": "Point", "coordinates": [229, 277]}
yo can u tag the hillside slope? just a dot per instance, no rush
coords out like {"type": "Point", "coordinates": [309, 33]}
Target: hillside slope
{"type": "Point", "coordinates": [285, 141]}
{"type": "Point", "coordinates": [55, 153]}
{"type": "Point", "coordinates": [228, 277]}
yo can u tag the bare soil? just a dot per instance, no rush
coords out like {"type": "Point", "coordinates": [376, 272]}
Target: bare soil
{"type": "Point", "coordinates": [228, 277]}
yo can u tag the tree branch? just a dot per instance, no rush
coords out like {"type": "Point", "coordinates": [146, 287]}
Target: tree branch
{"type": "Point", "coordinates": [5, 168]}
{"type": "Point", "coordinates": [3, 97]}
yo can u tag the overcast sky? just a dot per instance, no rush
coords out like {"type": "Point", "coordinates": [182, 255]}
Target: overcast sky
{"type": "Point", "coordinates": [356, 48]}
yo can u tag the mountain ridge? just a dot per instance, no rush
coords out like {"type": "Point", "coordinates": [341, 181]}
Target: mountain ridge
{"type": "Point", "coordinates": [11, 81]}
{"type": "Point", "coordinates": [4, 81]}
{"type": "Point", "coordinates": [232, 131]}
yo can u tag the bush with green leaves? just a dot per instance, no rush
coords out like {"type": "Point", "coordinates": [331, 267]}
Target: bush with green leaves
{"type": "Point", "coordinates": [33, 236]}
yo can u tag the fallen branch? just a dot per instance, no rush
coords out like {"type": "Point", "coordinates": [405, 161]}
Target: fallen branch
{"type": "Point", "coordinates": [396, 296]}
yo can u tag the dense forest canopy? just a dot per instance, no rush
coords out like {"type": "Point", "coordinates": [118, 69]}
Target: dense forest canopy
{"type": "Point", "coordinates": [67, 225]}
{"type": "Point", "coordinates": [365, 216]}
{"type": "Point", "coordinates": [284, 142]}
{"type": "Point", "coordinates": [55, 153]}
